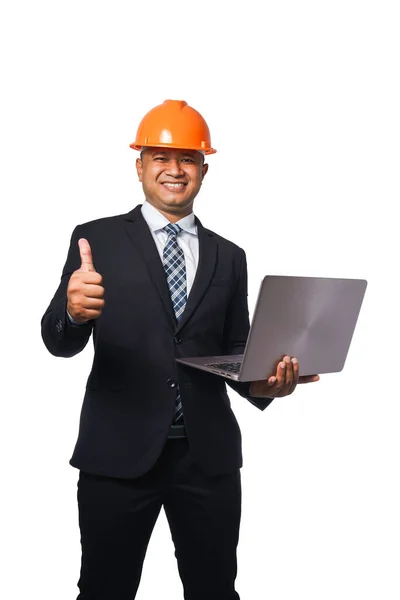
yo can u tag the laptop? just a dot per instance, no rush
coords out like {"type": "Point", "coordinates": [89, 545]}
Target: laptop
{"type": "Point", "coordinates": [311, 318]}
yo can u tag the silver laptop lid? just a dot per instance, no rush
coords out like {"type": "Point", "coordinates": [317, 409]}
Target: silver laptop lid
{"type": "Point", "coordinates": [310, 318]}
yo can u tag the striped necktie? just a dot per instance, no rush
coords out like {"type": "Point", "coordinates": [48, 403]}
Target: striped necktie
{"type": "Point", "coordinates": [175, 271]}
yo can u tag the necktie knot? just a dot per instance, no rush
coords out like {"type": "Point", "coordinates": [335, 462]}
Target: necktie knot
{"type": "Point", "coordinates": [172, 229]}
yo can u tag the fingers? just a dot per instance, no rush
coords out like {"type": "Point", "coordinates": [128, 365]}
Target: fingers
{"type": "Point", "coordinates": [92, 303]}
{"type": "Point", "coordinates": [93, 290]}
{"type": "Point", "coordinates": [288, 372]}
{"type": "Point", "coordinates": [280, 375]}
{"type": "Point", "coordinates": [86, 255]}
{"type": "Point", "coordinates": [308, 378]}
{"type": "Point", "coordinates": [289, 367]}
{"type": "Point", "coordinates": [88, 283]}
{"type": "Point", "coordinates": [277, 382]}
{"type": "Point", "coordinates": [286, 378]}
{"type": "Point", "coordinates": [90, 278]}
{"type": "Point", "coordinates": [295, 368]}
{"type": "Point", "coordinates": [284, 381]}
{"type": "Point", "coordinates": [82, 308]}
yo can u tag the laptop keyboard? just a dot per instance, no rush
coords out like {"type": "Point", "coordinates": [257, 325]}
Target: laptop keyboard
{"type": "Point", "coordinates": [231, 367]}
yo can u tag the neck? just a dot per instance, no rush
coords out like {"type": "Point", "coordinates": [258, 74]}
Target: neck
{"type": "Point", "coordinates": [173, 216]}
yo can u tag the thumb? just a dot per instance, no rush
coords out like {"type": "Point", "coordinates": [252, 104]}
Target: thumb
{"type": "Point", "coordinates": [86, 256]}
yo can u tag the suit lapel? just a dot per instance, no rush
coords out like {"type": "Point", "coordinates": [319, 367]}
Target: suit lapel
{"type": "Point", "coordinates": [205, 270]}
{"type": "Point", "coordinates": [142, 239]}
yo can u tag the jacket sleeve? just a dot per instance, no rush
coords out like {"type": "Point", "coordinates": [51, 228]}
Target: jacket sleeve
{"type": "Point", "coordinates": [60, 336]}
{"type": "Point", "coordinates": [236, 331]}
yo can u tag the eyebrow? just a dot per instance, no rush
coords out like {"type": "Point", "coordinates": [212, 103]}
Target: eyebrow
{"type": "Point", "coordinates": [164, 152]}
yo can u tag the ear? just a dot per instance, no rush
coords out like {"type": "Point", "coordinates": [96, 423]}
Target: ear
{"type": "Point", "coordinates": [204, 170]}
{"type": "Point", "coordinates": [139, 168]}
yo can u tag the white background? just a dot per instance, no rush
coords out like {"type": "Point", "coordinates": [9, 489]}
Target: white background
{"type": "Point", "coordinates": [302, 99]}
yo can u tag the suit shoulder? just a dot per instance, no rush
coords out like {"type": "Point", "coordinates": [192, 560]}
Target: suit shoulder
{"type": "Point", "coordinates": [228, 244]}
{"type": "Point", "coordinates": [107, 223]}
{"type": "Point", "coordinates": [102, 222]}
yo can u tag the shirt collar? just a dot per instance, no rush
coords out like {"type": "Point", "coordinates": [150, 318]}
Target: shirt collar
{"type": "Point", "coordinates": [155, 220]}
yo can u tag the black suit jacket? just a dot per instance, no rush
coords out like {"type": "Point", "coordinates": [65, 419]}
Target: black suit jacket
{"type": "Point", "coordinates": [130, 393]}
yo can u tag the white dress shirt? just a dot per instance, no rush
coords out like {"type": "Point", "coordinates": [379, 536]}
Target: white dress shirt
{"type": "Point", "coordinates": [187, 239]}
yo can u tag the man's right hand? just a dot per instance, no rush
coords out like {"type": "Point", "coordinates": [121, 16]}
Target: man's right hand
{"type": "Point", "coordinates": [85, 293]}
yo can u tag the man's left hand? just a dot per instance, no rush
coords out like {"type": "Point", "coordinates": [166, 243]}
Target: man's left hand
{"type": "Point", "coordinates": [283, 383]}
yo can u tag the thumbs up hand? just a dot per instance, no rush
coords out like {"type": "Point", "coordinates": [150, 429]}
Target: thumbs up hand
{"type": "Point", "coordinates": [85, 293]}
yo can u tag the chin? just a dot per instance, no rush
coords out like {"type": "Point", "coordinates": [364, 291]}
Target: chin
{"type": "Point", "coordinates": [177, 203]}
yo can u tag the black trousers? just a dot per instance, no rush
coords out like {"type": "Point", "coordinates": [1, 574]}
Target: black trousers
{"type": "Point", "coordinates": [117, 517]}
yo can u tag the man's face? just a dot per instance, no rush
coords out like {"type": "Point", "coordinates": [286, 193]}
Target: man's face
{"type": "Point", "coordinates": [171, 178]}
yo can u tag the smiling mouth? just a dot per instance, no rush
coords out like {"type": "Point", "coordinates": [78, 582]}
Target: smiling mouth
{"type": "Point", "coordinates": [174, 186]}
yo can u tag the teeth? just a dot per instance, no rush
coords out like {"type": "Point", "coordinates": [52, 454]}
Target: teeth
{"type": "Point", "coordinates": [174, 185]}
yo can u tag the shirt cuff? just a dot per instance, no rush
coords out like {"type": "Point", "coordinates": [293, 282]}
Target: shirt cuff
{"type": "Point", "coordinates": [71, 320]}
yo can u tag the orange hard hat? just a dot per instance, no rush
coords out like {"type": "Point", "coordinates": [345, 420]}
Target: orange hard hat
{"type": "Point", "coordinates": [173, 124]}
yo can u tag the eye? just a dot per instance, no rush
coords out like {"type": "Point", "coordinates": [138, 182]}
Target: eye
{"type": "Point", "coordinates": [188, 159]}
{"type": "Point", "coordinates": [160, 158]}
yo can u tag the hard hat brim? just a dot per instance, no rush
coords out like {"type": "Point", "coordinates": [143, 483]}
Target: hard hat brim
{"type": "Point", "coordinates": [159, 145]}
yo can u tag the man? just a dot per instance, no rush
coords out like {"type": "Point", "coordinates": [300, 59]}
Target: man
{"type": "Point", "coordinates": [154, 285]}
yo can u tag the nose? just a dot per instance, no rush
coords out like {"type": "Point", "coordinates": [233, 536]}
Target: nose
{"type": "Point", "coordinates": [174, 168]}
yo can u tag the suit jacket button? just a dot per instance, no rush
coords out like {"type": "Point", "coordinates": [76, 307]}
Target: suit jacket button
{"type": "Point", "coordinates": [171, 383]}
{"type": "Point", "coordinates": [177, 340]}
